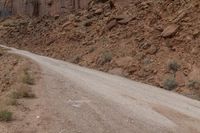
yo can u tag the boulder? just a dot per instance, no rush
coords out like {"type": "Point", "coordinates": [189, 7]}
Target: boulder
{"type": "Point", "coordinates": [124, 61]}
{"type": "Point", "coordinates": [194, 74]}
{"type": "Point", "coordinates": [181, 78]}
{"type": "Point", "coordinates": [116, 71]}
{"type": "Point", "coordinates": [111, 24]}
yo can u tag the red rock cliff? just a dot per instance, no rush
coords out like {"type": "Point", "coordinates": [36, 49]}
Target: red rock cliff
{"type": "Point", "coordinates": [39, 7]}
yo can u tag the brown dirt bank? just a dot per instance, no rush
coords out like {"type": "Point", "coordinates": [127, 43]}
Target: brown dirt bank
{"type": "Point", "coordinates": [155, 42]}
{"type": "Point", "coordinates": [18, 77]}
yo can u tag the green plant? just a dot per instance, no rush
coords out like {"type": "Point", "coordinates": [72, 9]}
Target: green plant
{"type": "Point", "coordinates": [22, 93]}
{"type": "Point", "coordinates": [15, 95]}
{"type": "Point", "coordinates": [106, 57]}
{"type": "Point", "coordinates": [11, 101]}
{"type": "Point", "coordinates": [27, 79]}
{"type": "Point", "coordinates": [5, 115]}
{"type": "Point", "coordinates": [28, 94]}
{"type": "Point", "coordinates": [194, 84]}
{"type": "Point", "coordinates": [76, 59]}
{"type": "Point", "coordinates": [173, 65]}
{"type": "Point", "coordinates": [170, 84]}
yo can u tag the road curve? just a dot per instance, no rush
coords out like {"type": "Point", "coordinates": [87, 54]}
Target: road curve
{"type": "Point", "coordinates": [81, 100]}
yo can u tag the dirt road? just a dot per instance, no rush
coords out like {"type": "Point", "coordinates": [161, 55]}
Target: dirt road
{"type": "Point", "coordinates": [74, 99]}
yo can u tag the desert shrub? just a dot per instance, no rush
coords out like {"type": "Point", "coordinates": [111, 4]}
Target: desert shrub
{"type": "Point", "coordinates": [11, 101]}
{"type": "Point", "coordinates": [173, 65]}
{"type": "Point", "coordinates": [170, 84]}
{"type": "Point", "coordinates": [106, 57]}
{"type": "Point", "coordinates": [27, 78]}
{"type": "Point", "coordinates": [22, 93]}
{"type": "Point", "coordinates": [76, 59]}
{"type": "Point", "coordinates": [5, 115]}
{"type": "Point", "coordinates": [194, 84]}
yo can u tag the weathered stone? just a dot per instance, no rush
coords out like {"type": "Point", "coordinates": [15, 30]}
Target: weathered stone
{"type": "Point", "coordinates": [152, 50]}
{"type": "Point", "coordinates": [66, 24]}
{"type": "Point", "coordinates": [170, 30]}
{"type": "Point", "coordinates": [98, 11]}
{"type": "Point", "coordinates": [195, 51]}
{"type": "Point", "coordinates": [194, 74]}
{"type": "Point", "coordinates": [111, 24]}
{"type": "Point", "coordinates": [120, 17]}
{"type": "Point", "coordinates": [87, 43]}
{"type": "Point", "coordinates": [145, 45]}
{"type": "Point", "coordinates": [116, 71]}
{"type": "Point", "coordinates": [142, 73]}
{"type": "Point", "coordinates": [102, 1]}
{"type": "Point", "coordinates": [56, 16]}
{"type": "Point", "coordinates": [89, 16]}
{"type": "Point", "coordinates": [107, 14]}
{"type": "Point", "coordinates": [180, 78]}
{"type": "Point", "coordinates": [124, 61]}
{"type": "Point", "coordinates": [196, 33]}
{"type": "Point", "coordinates": [123, 19]}
{"type": "Point", "coordinates": [88, 23]}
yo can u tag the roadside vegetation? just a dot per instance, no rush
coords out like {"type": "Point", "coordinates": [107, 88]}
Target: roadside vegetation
{"type": "Point", "coordinates": [16, 81]}
{"type": "Point", "coordinates": [170, 83]}
{"type": "Point", "coordinates": [106, 57]}
{"type": "Point", "coordinates": [5, 115]}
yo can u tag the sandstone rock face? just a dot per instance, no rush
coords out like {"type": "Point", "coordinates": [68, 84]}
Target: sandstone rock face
{"type": "Point", "coordinates": [4, 10]}
{"type": "Point", "coordinates": [39, 7]}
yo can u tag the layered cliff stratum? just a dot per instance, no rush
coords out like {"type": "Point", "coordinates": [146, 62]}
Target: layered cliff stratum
{"type": "Point", "coordinates": [39, 7]}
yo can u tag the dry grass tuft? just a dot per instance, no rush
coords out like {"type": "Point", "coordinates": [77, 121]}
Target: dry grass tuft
{"type": "Point", "coordinates": [5, 116]}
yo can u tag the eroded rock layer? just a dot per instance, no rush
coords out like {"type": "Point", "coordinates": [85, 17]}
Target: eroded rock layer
{"type": "Point", "coordinates": [39, 7]}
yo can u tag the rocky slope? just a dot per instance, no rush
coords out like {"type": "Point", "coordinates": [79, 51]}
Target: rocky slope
{"type": "Point", "coordinates": [155, 42]}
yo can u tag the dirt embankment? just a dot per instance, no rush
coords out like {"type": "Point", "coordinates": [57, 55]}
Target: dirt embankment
{"type": "Point", "coordinates": [76, 99]}
{"type": "Point", "coordinates": [17, 79]}
{"type": "Point", "coordinates": [155, 42]}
